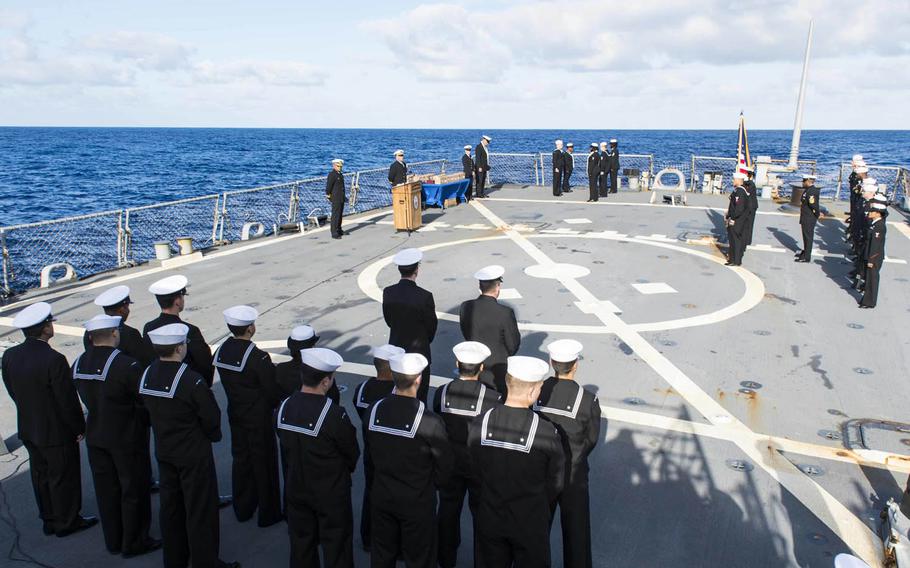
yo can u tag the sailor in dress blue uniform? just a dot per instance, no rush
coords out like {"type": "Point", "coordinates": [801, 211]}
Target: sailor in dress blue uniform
{"type": "Point", "coordinates": [287, 373]}
{"type": "Point", "coordinates": [116, 302]}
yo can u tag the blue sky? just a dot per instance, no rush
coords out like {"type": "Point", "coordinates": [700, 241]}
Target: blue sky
{"type": "Point", "coordinates": [474, 64]}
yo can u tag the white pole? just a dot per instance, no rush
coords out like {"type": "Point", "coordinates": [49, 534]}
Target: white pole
{"type": "Point", "coordinates": [798, 123]}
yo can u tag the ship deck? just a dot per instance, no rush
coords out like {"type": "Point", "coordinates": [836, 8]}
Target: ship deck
{"type": "Point", "coordinates": [753, 416]}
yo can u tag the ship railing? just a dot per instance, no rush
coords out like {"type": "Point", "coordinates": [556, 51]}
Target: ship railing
{"type": "Point", "coordinates": [522, 169]}
{"type": "Point", "coordinates": [714, 174]}
{"type": "Point", "coordinates": [894, 179]}
{"type": "Point", "coordinates": [635, 170]}
{"type": "Point", "coordinates": [195, 218]}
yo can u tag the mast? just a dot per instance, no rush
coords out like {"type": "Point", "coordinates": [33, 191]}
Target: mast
{"type": "Point", "coordinates": [798, 122]}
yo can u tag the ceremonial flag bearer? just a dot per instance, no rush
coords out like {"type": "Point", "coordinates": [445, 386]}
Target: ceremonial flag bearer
{"type": "Point", "coordinates": [321, 447]}
{"type": "Point", "coordinates": [459, 403]}
{"type": "Point", "coordinates": [575, 412]}
{"type": "Point", "coordinates": [248, 377]}
{"type": "Point", "coordinates": [412, 458]}
{"type": "Point", "coordinates": [49, 420]}
{"type": "Point", "coordinates": [117, 438]}
{"type": "Point", "coordinates": [521, 463]}
{"type": "Point", "coordinates": [116, 302]}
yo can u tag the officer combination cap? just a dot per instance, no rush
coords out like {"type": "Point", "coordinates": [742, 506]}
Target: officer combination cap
{"type": "Point", "coordinates": [387, 351]}
{"type": "Point", "coordinates": [564, 350]}
{"type": "Point", "coordinates": [102, 321]}
{"type": "Point", "coordinates": [471, 352]}
{"type": "Point", "coordinates": [739, 175]}
{"type": "Point", "coordinates": [487, 138]}
{"type": "Point", "coordinates": [810, 176]}
{"type": "Point", "coordinates": [399, 152]}
{"type": "Point", "coordinates": [302, 333]}
{"type": "Point", "coordinates": [338, 161]}
{"type": "Point", "coordinates": [594, 144]}
{"type": "Point", "coordinates": [170, 285]}
{"type": "Point", "coordinates": [171, 334]}
{"type": "Point", "coordinates": [467, 146]}
{"type": "Point", "coordinates": [321, 359]}
{"type": "Point", "coordinates": [862, 169]}
{"type": "Point", "coordinates": [857, 158]}
{"type": "Point", "coordinates": [570, 145]}
{"type": "Point", "coordinates": [240, 315]}
{"type": "Point", "coordinates": [408, 363]}
{"type": "Point", "coordinates": [612, 140]}
{"type": "Point", "coordinates": [880, 198]}
{"type": "Point", "coordinates": [603, 143]}
{"type": "Point", "coordinates": [113, 296]}
{"type": "Point", "coordinates": [527, 369]}
{"type": "Point", "coordinates": [492, 272]}
{"type": "Point", "coordinates": [408, 257]}
{"type": "Point", "coordinates": [878, 206]}
{"type": "Point", "coordinates": [33, 315]}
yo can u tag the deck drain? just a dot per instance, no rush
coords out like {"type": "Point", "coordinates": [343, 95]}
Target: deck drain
{"type": "Point", "coordinates": [750, 385]}
{"type": "Point", "coordinates": [835, 412]}
{"type": "Point", "coordinates": [450, 279]}
{"type": "Point", "coordinates": [663, 256]}
{"type": "Point", "coordinates": [855, 326]}
{"type": "Point", "coordinates": [801, 322]}
{"type": "Point", "coordinates": [598, 262]}
{"type": "Point", "coordinates": [862, 371]}
{"type": "Point", "coordinates": [761, 332]}
{"type": "Point", "coordinates": [633, 401]}
{"type": "Point", "coordinates": [813, 470]}
{"type": "Point", "coordinates": [667, 343]}
{"type": "Point", "coordinates": [746, 391]}
{"type": "Point", "coordinates": [739, 465]}
{"type": "Point", "coordinates": [829, 434]}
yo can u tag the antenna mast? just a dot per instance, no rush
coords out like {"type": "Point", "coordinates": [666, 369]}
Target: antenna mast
{"type": "Point", "coordinates": [798, 122]}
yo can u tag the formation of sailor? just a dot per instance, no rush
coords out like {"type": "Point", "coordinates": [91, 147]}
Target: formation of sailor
{"type": "Point", "coordinates": [568, 165]}
{"type": "Point", "coordinates": [116, 437]}
{"type": "Point", "coordinates": [482, 165]}
{"type": "Point", "coordinates": [365, 395]}
{"type": "Point", "coordinates": [49, 420]}
{"type": "Point", "coordinates": [752, 210]}
{"type": "Point", "coordinates": [398, 171]}
{"type": "Point", "coordinates": [808, 216]}
{"type": "Point", "coordinates": [287, 373]}
{"type": "Point", "coordinates": [248, 377]}
{"type": "Point", "coordinates": [485, 320]}
{"type": "Point", "coordinates": [459, 403]}
{"type": "Point", "coordinates": [116, 302]}
{"type": "Point", "coordinates": [411, 458]}
{"type": "Point", "coordinates": [522, 471]}
{"type": "Point", "coordinates": [467, 165]}
{"type": "Point", "coordinates": [593, 173]}
{"type": "Point", "coordinates": [873, 255]}
{"type": "Point", "coordinates": [320, 445]}
{"type": "Point", "coordinates": [737, 220]}
{"type": "Point", "coordinates": [410, 312]}
{"type": "Point", "coordinates": [170, 294]}
{"type": "Point", "coordinates": [558, 168]}
{"type": "Point", "coordinates": [186, 421]}
{"type": "Point", "coordinates": [335, 193]}
{"type": "Point", "coordinates": [610, 166]}
{"type": "Point", "coordinates": [575, 412]}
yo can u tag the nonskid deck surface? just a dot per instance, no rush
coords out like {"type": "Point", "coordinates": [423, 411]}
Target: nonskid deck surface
{"type": "Point", "coordinates": [721, 387]}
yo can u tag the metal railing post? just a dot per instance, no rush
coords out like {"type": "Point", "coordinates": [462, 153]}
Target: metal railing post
{"type": "Point", "coordinates": [120, 255]}
{"type": "Point", "coordinates": [5, 262]}
{"type": "Point", "coordinates": [840, 181]}
{"type": "Point", "coordinates": [127, 238]}
{"type": "Point", "coordinates": [543, 173]}
{"type": "Point", "coordinates": [692, 175]}
{"type": "Point", "coordinates": [536, 173]}
{"type": "Point", "coordinates": [220, 221]}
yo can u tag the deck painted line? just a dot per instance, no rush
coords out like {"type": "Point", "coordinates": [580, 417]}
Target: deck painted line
{"type": "Point", "coordinates": [902, 228]}
{"type": "Point", "coordinates": [509, 294]}
{"type": "Point", "coordinates": [580, 221]}
{"type": "Point", "coordinates": [631, 204]}
{"type": "Point", "coordinates": [562, 231]}
{"type": "Point", "coordinates": [594, 307]}
{"type": "Point", "coordinates": [648, 288]}
{"type": "Point", "coordinates": [474, 227]}
{"type": "Point", "coordinates": [861, 540]}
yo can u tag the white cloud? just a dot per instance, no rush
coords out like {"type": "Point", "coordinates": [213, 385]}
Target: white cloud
{"type": "Point", "coordinates": [147, 51]}
{"type": "Point", "coordinates": [279, 73]}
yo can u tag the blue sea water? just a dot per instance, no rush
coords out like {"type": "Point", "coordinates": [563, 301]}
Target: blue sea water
{"type": "Point", "coordinates": [47, 173]}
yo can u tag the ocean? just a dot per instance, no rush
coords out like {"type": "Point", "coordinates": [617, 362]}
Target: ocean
{"type": "Point", "coordinates": [48, 173]}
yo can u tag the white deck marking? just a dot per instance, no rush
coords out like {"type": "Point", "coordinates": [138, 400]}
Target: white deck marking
{"type": "Point", "coordinates": [654, 288]}
{"type": "Point", "coordinates": [630, 204]}
{"type": "Point", "coordinates": [580, 221]}
{"type": "Point", "coordinates": [553, 271]}
{"type": "Point", "coordinates": [901, 227]}
{"type": "Point", "coordinates": [594, 307]}
{"type": "Point", "coordinates": [829, 510]}
{"type": "Point", "coordinates": [509, 294]}
{"type": "Point", "coordinates": [561, 231]}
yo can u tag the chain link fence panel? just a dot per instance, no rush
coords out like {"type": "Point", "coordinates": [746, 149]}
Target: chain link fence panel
{"type": "Point", "coordinates": [892, 177]}
{"type": "Point", "coordinates": [271, 206]}
{"type": "Point", "coordinates": [196, 218]}
{"type": "Point", "coordinates": [522, 169]}
{"type": "Point", "coordinates": [428, 167]}
{"type": "Point", "coordinates": [634, 170]}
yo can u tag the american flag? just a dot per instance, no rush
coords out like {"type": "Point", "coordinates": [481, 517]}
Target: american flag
{"type": "Point", "coordinates": [743, 158]}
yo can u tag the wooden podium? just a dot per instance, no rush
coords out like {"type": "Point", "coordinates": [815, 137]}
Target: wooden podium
{"type": "Point", "coordinates": [406, 199]}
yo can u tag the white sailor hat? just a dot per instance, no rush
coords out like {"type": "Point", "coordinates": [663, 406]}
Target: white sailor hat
{"type": "Point", "coordinates": [570, 145]}
{"type": "Point", "coordinates": [564, 350]}
{"type": "Point", "coordinates": [492, 272]}
{"type": "Point", "coordinates": [810, 176]}
{"type": "Point", "coordinates": [739, 175]}
{"type": "Point", "coordinates": [880, 198]}
{"type": "Point", "coordinates": [37, 313]}
{"type": "Point", "coordinates": [113, 296]}
{"type": "Point", "coordinates": [338, 161]}
{"type": "Point", "coordinates": [102, 321]}
{"type": "Point", "coordinates": [594, 144]}
{"type": "Point", "coordinates": [399, 152]}
{"type": "Point", "coordinates": [467, 146]}
{"type": "Point", "coordinates": [321, 359]}
{"type": "Point", "coordinates": [612, 140]}
{"type": "Point", "coordinates": [170, 285]}
{"type": "Point", "coordinates": [386, 352]}
{"type": "Point", "coordinates": [408, 257]}
{"type": "Point", "coordinates": [527, 369]}
{"type": "Point", "coordinates": [878, 206]}
{"type": "Point", "coordinates": [240, 315]}
{"type": "Point", "coordinates": [171, 334]}
{"type": "Point", "coordinates": [862, 169]}
{"type": "Point", "coordinates": [408, 363]}
{"type": "Point", "coordinates": [857, 158]}
{"type": "Point", "coordinates": [487, 138]}
{"type": "Point", "coordinates": [302, 333]}
{"type": "Point", "coordinates": [558, 142]}
{"type": "Point", "coordinates": [603, 143]}
{"type": "Point", "coordinates": [471, 352]}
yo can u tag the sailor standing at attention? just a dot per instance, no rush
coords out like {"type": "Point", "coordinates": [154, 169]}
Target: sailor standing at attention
{"type": "Point", "coordinates": [593, 172]}
{"type": "Point", "coordinates": [853, 181]}
{"type": "Point", "coordinates": [612, 168]}
{"type": "Point", "coordinates": [335, 192]}
{"type": "Point", "coordinates": [398, 171]}
{"type": "Point", "coordinates": [808, 216]}
{"type": "Point", "coordinates": [459, 403]}
{"type": "Point", "coordinates": [171, 295]}
{"type": "Point", "coordinates": [482, 165]}
{"type": "Point", "coordinates": [186, 421]}
{"type": "Point", "coordinates": [410, 313]}
{"type": "Point", "coordinates": [485, 320]}
{"type": "Point", "coordinates": [575, 412]}
{"type": "Point", "coordinates": [248, 377]}
{"type": "Point", "coordinates": [603, 167]}
{"type": "Point", "coordinates": [117, 438]}
{"type": "Point", "coordinates": [365, 395]}
{"type": "Point", "coordinates": [874, 254]}
{"type": "Point", "coordinates": [287, 373]}
{"type": "Point", "coordinates": [49, 420]}
{"type": "Point", "coordinates": [321, 446]}
{"type": "Point", "coordinates": [857, 203]}
{"type": "Point", "coordinates": [521, 463]}
{"type": "Point", "coordinates": [752, 193]}
{"type": "Point", "coordinates": [568, 164]}
{"type": "Point", "coordinates": [467, 165]}
{"type": "Point", "coordinates": [116, 302]}
{"type": "Point", "coordinates": [736, 220]}
{"type": "Point", "coordinates": [557, 169]}
{"type": "Point", "coordinates": [412, 458]}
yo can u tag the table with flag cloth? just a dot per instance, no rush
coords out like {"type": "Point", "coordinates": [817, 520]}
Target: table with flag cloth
{"type": "Point", "coordinates": [435, 194]}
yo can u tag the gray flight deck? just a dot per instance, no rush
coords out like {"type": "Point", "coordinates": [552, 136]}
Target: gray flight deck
{"type": "Point", "coordinates": [753, 416]}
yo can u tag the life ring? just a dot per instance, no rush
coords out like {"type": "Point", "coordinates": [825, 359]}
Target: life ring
{"type": "Point", "coordinates": [658, 180]}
